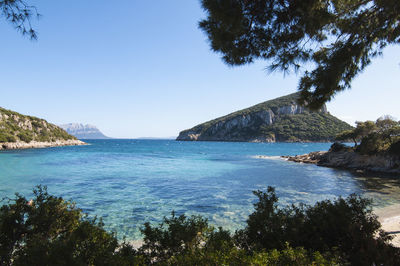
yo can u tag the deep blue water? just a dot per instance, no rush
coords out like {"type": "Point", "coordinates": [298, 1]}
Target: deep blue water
{"type": "Point", "coordinates": [129, 182]}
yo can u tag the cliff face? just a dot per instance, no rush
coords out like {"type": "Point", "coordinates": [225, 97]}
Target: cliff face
{"type": "Point", "coordinates": [83, 131]}
{"type": "Point", "coordinates": [281, 119]}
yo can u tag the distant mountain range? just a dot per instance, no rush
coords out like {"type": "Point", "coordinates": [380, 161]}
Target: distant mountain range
{"type": "Point", "coordinates": [83, 131]}
{"type": "Point", "coordinates": [277, 120]}
{"type": "Point", "coordinates": [157, 138]}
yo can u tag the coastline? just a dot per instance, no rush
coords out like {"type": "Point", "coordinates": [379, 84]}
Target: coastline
{"type": "Point", "coordinates": [38, 144]}
{"type": "Point", "coordinates": [349, 160]}
{"type": "Point", "coordinates": [389, 217]}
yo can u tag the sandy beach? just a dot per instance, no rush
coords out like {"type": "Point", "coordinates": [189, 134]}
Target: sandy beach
{"type": "Point", "coordinates": [136, 243]}
{"type": "Point", "coordinates": [390, 220]}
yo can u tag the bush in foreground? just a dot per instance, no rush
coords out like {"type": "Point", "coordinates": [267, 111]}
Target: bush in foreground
{"type": "Point", "coordinates": [344, 227]}
{"type": "Point", "coordinates": [50, 231]}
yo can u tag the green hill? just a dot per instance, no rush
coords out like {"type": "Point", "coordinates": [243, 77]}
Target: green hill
{"type": "Point", "coordinates": [15, 127]}
{"type": "Point", "coordinates": [280, 119]}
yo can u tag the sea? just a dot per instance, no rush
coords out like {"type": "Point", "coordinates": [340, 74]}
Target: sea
{"type": "Point", "coordinates": [130, 182]}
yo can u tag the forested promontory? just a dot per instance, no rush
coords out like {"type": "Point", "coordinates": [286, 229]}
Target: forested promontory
{"type": "Point", "coordinates": [278, 120]}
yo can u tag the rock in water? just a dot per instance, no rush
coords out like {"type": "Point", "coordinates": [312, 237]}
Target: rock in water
{"type": "Point", "coordinates": [277, 120]}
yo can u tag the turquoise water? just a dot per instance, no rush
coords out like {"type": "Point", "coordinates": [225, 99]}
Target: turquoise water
{"type": "Point", "coordinates": [129, 182]}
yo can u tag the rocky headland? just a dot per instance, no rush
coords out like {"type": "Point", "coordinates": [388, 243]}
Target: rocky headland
{"type": "Point", "coordinates": [351, 160]}
{"type": "Point", "coordinates": [18, 131]}
{"type": "Point", "coordinates": [278, 120]}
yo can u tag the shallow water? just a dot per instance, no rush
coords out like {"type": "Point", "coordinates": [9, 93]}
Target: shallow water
{"type": "Point", "coordinates": [129, 182]}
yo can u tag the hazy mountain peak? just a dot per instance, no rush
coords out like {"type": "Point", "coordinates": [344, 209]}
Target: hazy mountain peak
{"type": "Point", "coordinates": [82, 131]}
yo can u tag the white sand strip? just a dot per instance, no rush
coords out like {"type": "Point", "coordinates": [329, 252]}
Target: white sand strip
{"type": "Point", "coordinates": [390, 220]}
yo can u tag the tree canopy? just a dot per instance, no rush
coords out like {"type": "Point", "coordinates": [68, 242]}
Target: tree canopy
{"type": "Point", "coordinates": [374, 137]}
{"type": "Point", "coordinates": [337, 38]}
{"type": "Point", "coordinates": [19, 14]}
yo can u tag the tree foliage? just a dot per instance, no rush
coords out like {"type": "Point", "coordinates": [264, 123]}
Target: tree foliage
{"type": "Point", "coordinates": [348, 135]}
{"type": "Point", "coordinates": [20, 15]}
{"type": "Point", "coordinates": [362, 129]}
{"type": "Point", "coordinates": [173, 236]}
{"type": "Point", "coordinates": [337, 37]}
{"type": "Point", "coordinates": [374, 137]}
{"type": "Point", "coordinates": [50, 231]}
{"type": "Point", "coordinates": [345, 227]}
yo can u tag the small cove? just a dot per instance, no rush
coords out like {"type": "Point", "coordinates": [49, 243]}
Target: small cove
{"type": "Point", "coordinates": [129, 182]}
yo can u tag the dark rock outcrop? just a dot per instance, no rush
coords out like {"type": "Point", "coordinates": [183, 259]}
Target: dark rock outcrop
{"type": "Point", "coordinates": [350, 160]}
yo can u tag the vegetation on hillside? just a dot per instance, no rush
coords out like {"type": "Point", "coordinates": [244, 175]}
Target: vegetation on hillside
{"type": "Point", "coordinates": [17, 127]}
{"type": "Point", "coordinates": [379, 137]}
{"type": "Point", "coordinates": [273, 105]}
{"type": "Point", "coordinates": [305, 126]}
{"type": "Point", "coordinates": [50, 231]}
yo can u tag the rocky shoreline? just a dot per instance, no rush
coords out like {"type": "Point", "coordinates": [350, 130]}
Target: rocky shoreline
{"type": "Point", "coordinates": [37, 144]}
{"type": "Point", "coordinates": [350, 160]}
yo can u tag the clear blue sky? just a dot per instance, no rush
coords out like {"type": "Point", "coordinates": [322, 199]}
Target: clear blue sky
{"type": "Point", "coordinates": [143, 68]}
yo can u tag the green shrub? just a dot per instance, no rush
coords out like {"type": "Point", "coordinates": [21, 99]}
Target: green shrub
{"type": "Point", "coordinates": [36, 124]}
{"type": "Point", "coordinates": [4, 137]}
{"type": "Point", "coordinates": [346, 226]}
{"type": "Point", "coordinates": [25, 137]}
{"type": "Point", "coordinates": [175, 235]}
{"type": "Point", "coordinates": [11, 138]}
{"type": "Point", "coordinates": [50, 231]}
{"type": "Point", "coordinates": [288, 256]}
{"type": "Point", "coordinates": [372, 144]}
